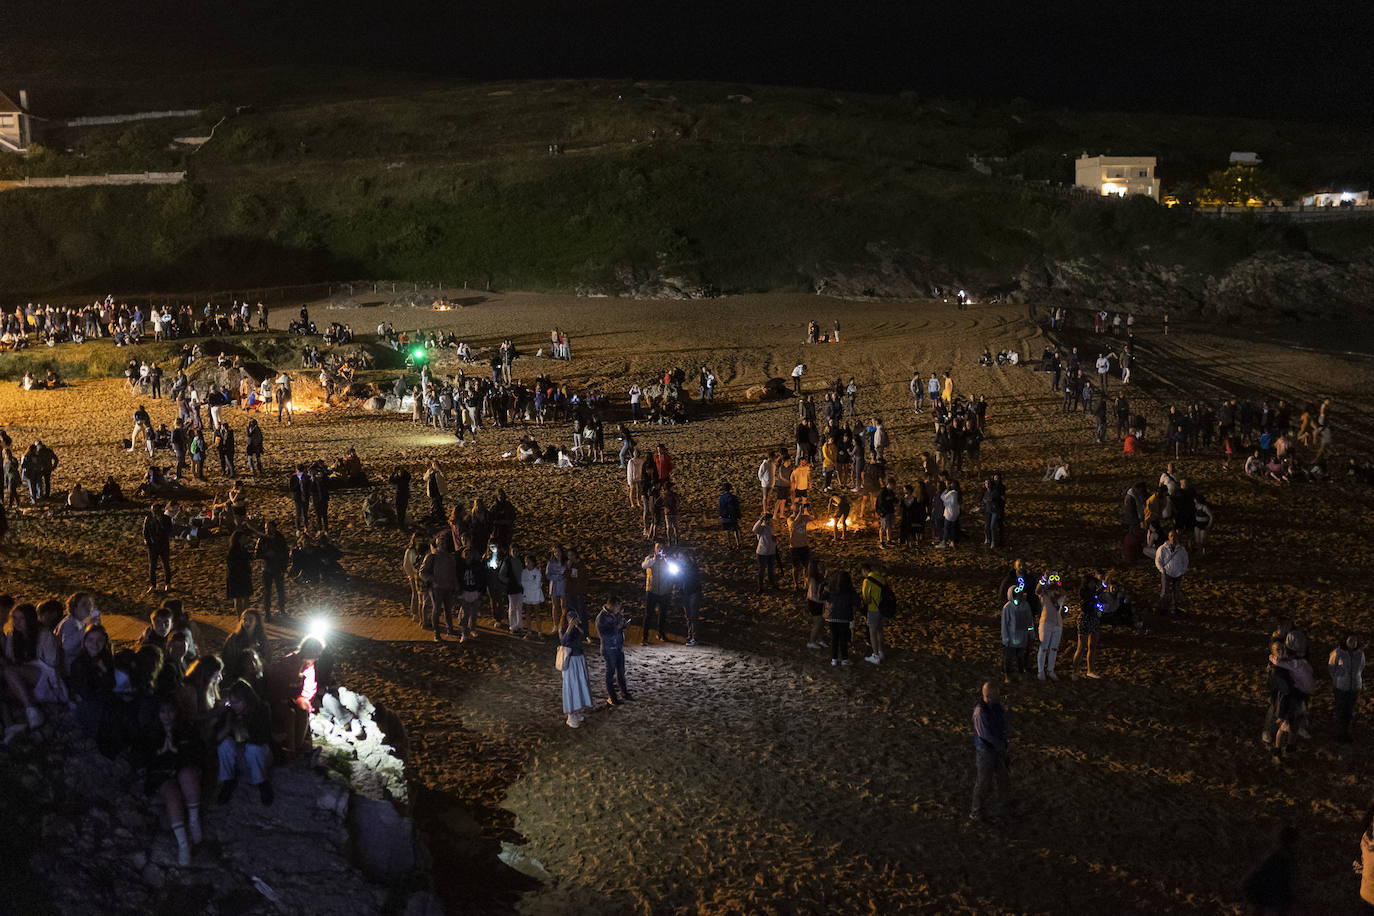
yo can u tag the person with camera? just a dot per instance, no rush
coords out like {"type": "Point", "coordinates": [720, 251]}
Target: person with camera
{"type": "Point", "coordinates": [611, 624]}
{"type": "Point", "coordinates": [767, 549]}
{"type": "Point", "coordinates": [658, 589]}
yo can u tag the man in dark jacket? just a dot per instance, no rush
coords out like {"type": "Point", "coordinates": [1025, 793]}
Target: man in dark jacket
{"type": "Point", "coordinates": [610, 626]}
{"type": "Point", "coordinates": [300, 494]}
{"type": "Point", "coordinates": [157, 538]}
{"type": "Point", "coordinates": [274, 553]}
{"type": "Point", "coordinates": [991, 738]}
{"type": "Point", "coordinates": [400, 479]}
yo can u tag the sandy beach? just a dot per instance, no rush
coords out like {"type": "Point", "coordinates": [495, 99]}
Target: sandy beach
{"type": "Point", "coordinates": [749, 776]}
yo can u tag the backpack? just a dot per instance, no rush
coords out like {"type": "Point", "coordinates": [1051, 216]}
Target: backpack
{"type": "Point", "coordinates": [887, 600]}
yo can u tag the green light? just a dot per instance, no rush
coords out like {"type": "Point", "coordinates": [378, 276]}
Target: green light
{"type": "Point", "coordinates": [418, 354]}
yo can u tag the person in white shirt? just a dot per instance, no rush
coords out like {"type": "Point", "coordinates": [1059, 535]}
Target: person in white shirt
{"type": "Point", "coordinates": [949, 531]}
{"type": "Point", "coordinates": [797, 377]}
{"type": "Point", "coordinates": [1171, 559]}
{"type": "Point", "coordinates": [1104, 366]}
{"type": "Point", "coordinates": [766, 479]}
{"type": "Point", "coordinates": [532, 593]}
{"type": "Point", "coordinates": [635, 395]}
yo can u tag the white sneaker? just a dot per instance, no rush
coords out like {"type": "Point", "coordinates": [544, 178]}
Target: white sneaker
{"type": "Point", "coordinates": [872, 659]}
{"type": "Point", "coordinates": [834, 662]}
{"type": "Point", "coordinates": [814, 645]}
{"type": "Point", "coordinates": [35, 716]}
{"type": "Point", "coordinates": [573, 721]}
{"type": "Point", "coordinates": [845, 662]}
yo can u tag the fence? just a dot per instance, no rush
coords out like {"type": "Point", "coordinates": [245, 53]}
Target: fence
{"type": "Point", "coordinates": [87, 181]}
{"type": "Point", "coordinates": [1296, 214]}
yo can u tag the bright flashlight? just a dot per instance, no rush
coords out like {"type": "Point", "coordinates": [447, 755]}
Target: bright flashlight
{"type": "Point", "coordinates": [674, 568]}
{"type": "Point", "coordinates": [318, 629]}
{"type": "Point", "coordinates": [492, 563]}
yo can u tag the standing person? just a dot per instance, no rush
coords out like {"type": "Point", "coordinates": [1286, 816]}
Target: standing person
{"type": "Point", "coordinates": [991, 749]}
{"type": "Point", "coordinates": [874, 584]}
{"type": "Point", "coordinates": [611, 624]}
{"type": "Point", "coordinates": [1171, 559]}
{"type": "Point", "coordinates": [1053, 606]}
{"type": "Point", "coordinates": [658, 590]}
{"type": "Point", "coordinates": [410, 565]}
{"type": "Point", "coordinates": [284, 398]}
{"type": "Point", "coordinates": [1018, 623]}
{"type": "Point", "coordinates": [300, 495]}
{"type": "Point", "coordinates": [556, 576]}
{"type": "Point", "coordinates": [663, 463]}
{"type": "Point", "coordinates": [1346, 666]}
{"type": "Point", "coordinates": [767, 550]}
{"type": "Point", "coordinates": [766, 479]}
{"type": "Point", "coordinates": [782, 483]}
{"type": "Point", "coordinates": [400, 479]}
{"type": "Point", "coordinates": [840, 602]}
{"type": "Point", "coordinates": [436, 488]}
{"type": "Point", "coordinates": [238, 586]}
{"type": "Point", "coordinates": [532, 591]}
{"type": "Point", "coordinates": [319, 495]}
{"type": "Point", "coordinates": [253, 448]}
{"type": "Point", "coordinates": [472, 579]}
{"type": "Point", "coordinates": [157, 538]}
{"type": "Point", "coordinates": [797, 378]}
{"type": "Point", "coordinates": [509, 575]}
{"type": "Point", "coordinates": [1089, 622]}
{"type": "Point", "coordinates": [815, 603]}
{"type": "Point", "coordinates": [275, 553]}
{"type": "Point", "coordinates": [949, 500]}
{"type": "Point", "coordinates": [439, 571]}
{"type": "Point", "coordinates": [886, 506]}
{"type": "Point", "coordinates": [689, 590]}
{"type": "Point", "coordinates": [577, 694]}
{"type": "Point", "coordinates": [13, 478]}
{"type": "Point", "coordinates": [800, 543]}
{"type": "Point", "coordinates": [730, 514]}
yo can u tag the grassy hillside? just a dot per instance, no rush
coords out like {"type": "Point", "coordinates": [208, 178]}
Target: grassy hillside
{"type": "Point", "coordinates": [740, 188]}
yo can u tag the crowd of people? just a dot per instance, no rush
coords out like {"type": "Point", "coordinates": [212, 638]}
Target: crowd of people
{"type": "Point", "coordinates": [189, 721]}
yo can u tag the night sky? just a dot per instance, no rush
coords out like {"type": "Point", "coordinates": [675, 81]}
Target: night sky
{"type": "Point", "coordinates": [1261, 59]}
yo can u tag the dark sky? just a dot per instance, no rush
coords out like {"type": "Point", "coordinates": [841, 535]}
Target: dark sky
{"type": "Point", "coordinates": [1261, 58]}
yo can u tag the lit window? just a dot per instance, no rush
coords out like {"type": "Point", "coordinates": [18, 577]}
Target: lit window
{"type": "Point", "coordinates": [7, 120]}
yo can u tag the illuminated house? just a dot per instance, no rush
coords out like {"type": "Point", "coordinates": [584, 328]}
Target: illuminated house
{"type": "Point", "coordinates": [1336, 199]}
{"type": "Point", "coordinates": [14, 125]}
{"type": "Point", "coordinates": [1117, 176]}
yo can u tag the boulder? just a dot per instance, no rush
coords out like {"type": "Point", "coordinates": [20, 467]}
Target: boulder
{"type": "Point", "coordinates": [770, 390]}
{"type": "Point", "coordinates": [383, 840]}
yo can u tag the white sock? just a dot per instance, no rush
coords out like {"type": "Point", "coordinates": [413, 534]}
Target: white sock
{"type": "Point", "coordinates": [193, 822]}
{"type": "Point", "coordinates": [179, 831]}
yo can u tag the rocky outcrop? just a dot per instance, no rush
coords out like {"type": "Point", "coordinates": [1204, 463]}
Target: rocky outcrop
{"type": "Point", "coordinates": [101, 845]}
{"type": "Point", "coordinates": [1293, 286]}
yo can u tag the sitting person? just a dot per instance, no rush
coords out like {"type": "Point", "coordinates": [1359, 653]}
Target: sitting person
{"type": "Point", "coordinates": [1117, 610]}
{"type": "Point", "coordinates": [986, 358]}
{"type": "Point", "coordinates": [564, 459]}
{"type": "Point", "coordinates": [1132, 445]}
{"type": "Point", "coordinates": [155, 483]}
{"type": "Point", "coordinates": [78, 497]}
{"type": "Point", "coordinates": [54, 380]}
{"type": "Point", "coordinates": [244, 738]}
{"type": "Point", "coordinates": [350, 468]}
{"type": "Point", "coordinates": [1254, 466]}
{"type": "Point", "coordinates": [377, 511]}
{"type": "Point", "coordinates": [1278, 471]}
{"type": "Point", "coordinates": [1056, 469]}
{"type": "Point", "coordinates": [28, 384]}
{"type": "Point", "coordinates": [527, 450]}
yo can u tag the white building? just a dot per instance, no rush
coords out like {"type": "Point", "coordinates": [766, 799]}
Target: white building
{"type": "Point", "coordinates": [14, 124]}
{"type": "Point", "coordinates": [1117, 176]}
{"type": "Point", "coordinates": [1336, 199]}
{"type": "Point", "coordinates": [1250, 159]}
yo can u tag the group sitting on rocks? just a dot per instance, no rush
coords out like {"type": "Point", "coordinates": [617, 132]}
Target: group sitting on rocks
{"type": "Point", "coordinates": [176, 713]}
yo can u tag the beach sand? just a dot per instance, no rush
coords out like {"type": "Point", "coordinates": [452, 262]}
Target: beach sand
{"type": "Point", "coordinates": [750, 776]}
